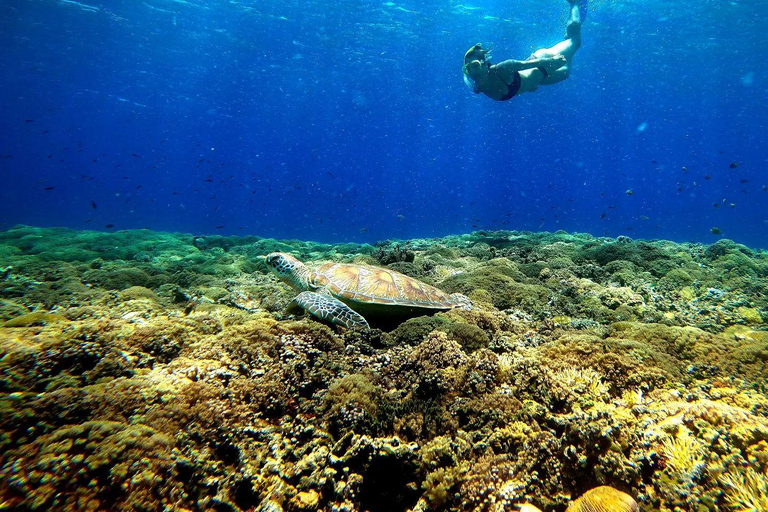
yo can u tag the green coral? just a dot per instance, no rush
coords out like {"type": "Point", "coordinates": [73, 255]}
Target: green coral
{"type": "Point", "coordinates": [36, 318]}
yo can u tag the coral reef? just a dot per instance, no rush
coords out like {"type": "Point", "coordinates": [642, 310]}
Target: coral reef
{"type": "Point", "coordinates": [157, 371]}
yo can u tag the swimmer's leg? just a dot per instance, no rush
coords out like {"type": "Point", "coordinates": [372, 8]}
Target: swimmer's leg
{"type": "Point", "coordinates": [565, 48]}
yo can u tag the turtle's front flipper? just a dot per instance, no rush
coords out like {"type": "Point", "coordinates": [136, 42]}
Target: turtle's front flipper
{"type": "Point", "coordinates": [329, 309]}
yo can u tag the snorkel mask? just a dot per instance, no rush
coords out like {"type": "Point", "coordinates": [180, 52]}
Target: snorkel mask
{"type": "Point", "coordinates": [474, 60]}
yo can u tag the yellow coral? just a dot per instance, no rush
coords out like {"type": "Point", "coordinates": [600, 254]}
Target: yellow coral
{"type": "Point", "coordinates": [687, 293]}
{"type": "Point", "coordinates": [748, 491]}
{"type": "Point", "coordinates": [582, 381]}
{"type": "Point", "coordinates": [683, 453]}
{"type": "Point", "coordinates": [632, 397]}
{"type": "Point", "coordinates": [750, 315]}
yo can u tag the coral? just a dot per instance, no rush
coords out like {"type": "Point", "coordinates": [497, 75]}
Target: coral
{"type": "Point", "coordinates": [415, 330]}
{"type": "Point", "coordinates": [36, 318]}
{"type": "Point", "coordinates": [175, 380]}
{"type": "Point", "coordinates": [750, 315]}
{"type": "Point", "coordinates": [93, 466]}
{"type": "Point", "coordinates": [683, 454]}
{"type": "Point", "coordinates": [505, 284]}
{"type": "Point", "coordinates": [386, 254]}
{"type": "Point", "coordinates": [350, 401]}
{"type": "Point", "coordinates": [746, 490]}
{"type": "Point", "coordinates": [470, 337]}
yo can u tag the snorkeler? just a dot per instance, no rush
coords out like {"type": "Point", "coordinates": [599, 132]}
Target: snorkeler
{"type": "Point", "coordinates": [509, 78]}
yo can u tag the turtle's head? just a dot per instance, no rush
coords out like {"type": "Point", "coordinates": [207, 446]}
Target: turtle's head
{"type": "Point", "coordinates": [288, 269]}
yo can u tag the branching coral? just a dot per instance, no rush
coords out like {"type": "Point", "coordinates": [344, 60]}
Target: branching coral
{"type": "Point", "coordinates": [582, 381]}
{"type": "Point", "coordinates": [684, 455]}
{"type": "Point", "coordinates": [747, 491]}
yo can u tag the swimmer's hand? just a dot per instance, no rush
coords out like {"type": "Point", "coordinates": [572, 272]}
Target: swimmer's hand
{"type": "Point", "coordinates": [555, 62]}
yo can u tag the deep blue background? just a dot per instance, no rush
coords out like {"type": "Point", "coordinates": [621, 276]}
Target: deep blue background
{"type": "Point", "coordinates": [341, 121]}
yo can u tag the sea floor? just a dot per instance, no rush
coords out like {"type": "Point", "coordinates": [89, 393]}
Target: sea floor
{"type": "Point", "coordinates": [154, 371]}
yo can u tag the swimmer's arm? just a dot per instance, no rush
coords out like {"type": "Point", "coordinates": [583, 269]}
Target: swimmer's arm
{"type": "Point", "coordinates": [511, 65]}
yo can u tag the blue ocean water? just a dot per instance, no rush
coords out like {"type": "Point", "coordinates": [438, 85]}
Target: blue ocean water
{"type": "Point", "coordinates": [349, 121]}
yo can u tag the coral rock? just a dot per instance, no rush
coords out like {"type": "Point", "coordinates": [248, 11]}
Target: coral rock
{"type": "Point", "coordinates": [604, 499]}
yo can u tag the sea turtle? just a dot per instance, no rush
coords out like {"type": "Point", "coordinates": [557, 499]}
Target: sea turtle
{"type": "Point", "coordinates": [345, 293]}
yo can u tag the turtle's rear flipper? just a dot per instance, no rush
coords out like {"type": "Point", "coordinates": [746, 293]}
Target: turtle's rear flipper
{"type": "Point", "coordinates": [329, 309]}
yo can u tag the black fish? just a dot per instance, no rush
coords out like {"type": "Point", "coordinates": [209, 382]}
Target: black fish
{"type": "Point", "coordinates": [93, 205]}
{"type": "Point", "coordinates": [109, 226]}
{"type": "Point", "coordinates": [29, 121]}
{"type": "Point", "coordinates": [733, 165]}
{"type": "Point", "coordinates": [49, 188]}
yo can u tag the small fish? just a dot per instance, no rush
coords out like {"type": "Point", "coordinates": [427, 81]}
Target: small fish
{"type": "Point", "coordinates": [685, 169]}
{"type": "Point", "coordinates": [732, 205]}
{"type": "Point", "coordinates": [29, 121]}
{"type": "Point", "coordinates": [716, 231]}
{"type": "Point", "coordinates": [708, 177]}
{"type": "Point", "coordinates": [765, 188]}
{"type": "Point", "coordinates": [49, 188]}
{"type": "Point", "coordinates": [716, 205]}
{"type": "Point", "coordinates": [134, 155]}
{"type": "Point", "coordinates": [109, 226]}
{"type": "Point", "coordinates": [93, 205]}
{"type": "Point", "coordinates": [733, 165]}
{"type": "Point", "coordinates": [219, 227]}
{"type": "Point", "coordinates": [603, 215]}
{"type": "Point", "coordinates": [743, 181]}
{"type": "Point", "coordinates": [629, 192]}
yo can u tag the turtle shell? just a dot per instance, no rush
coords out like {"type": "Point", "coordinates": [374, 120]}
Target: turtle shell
{"type": "Point", "coordinates": [364, 284]}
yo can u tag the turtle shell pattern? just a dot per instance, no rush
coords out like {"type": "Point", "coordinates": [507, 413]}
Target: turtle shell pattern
{"type": "Point", "coordinates": [374, 285]}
